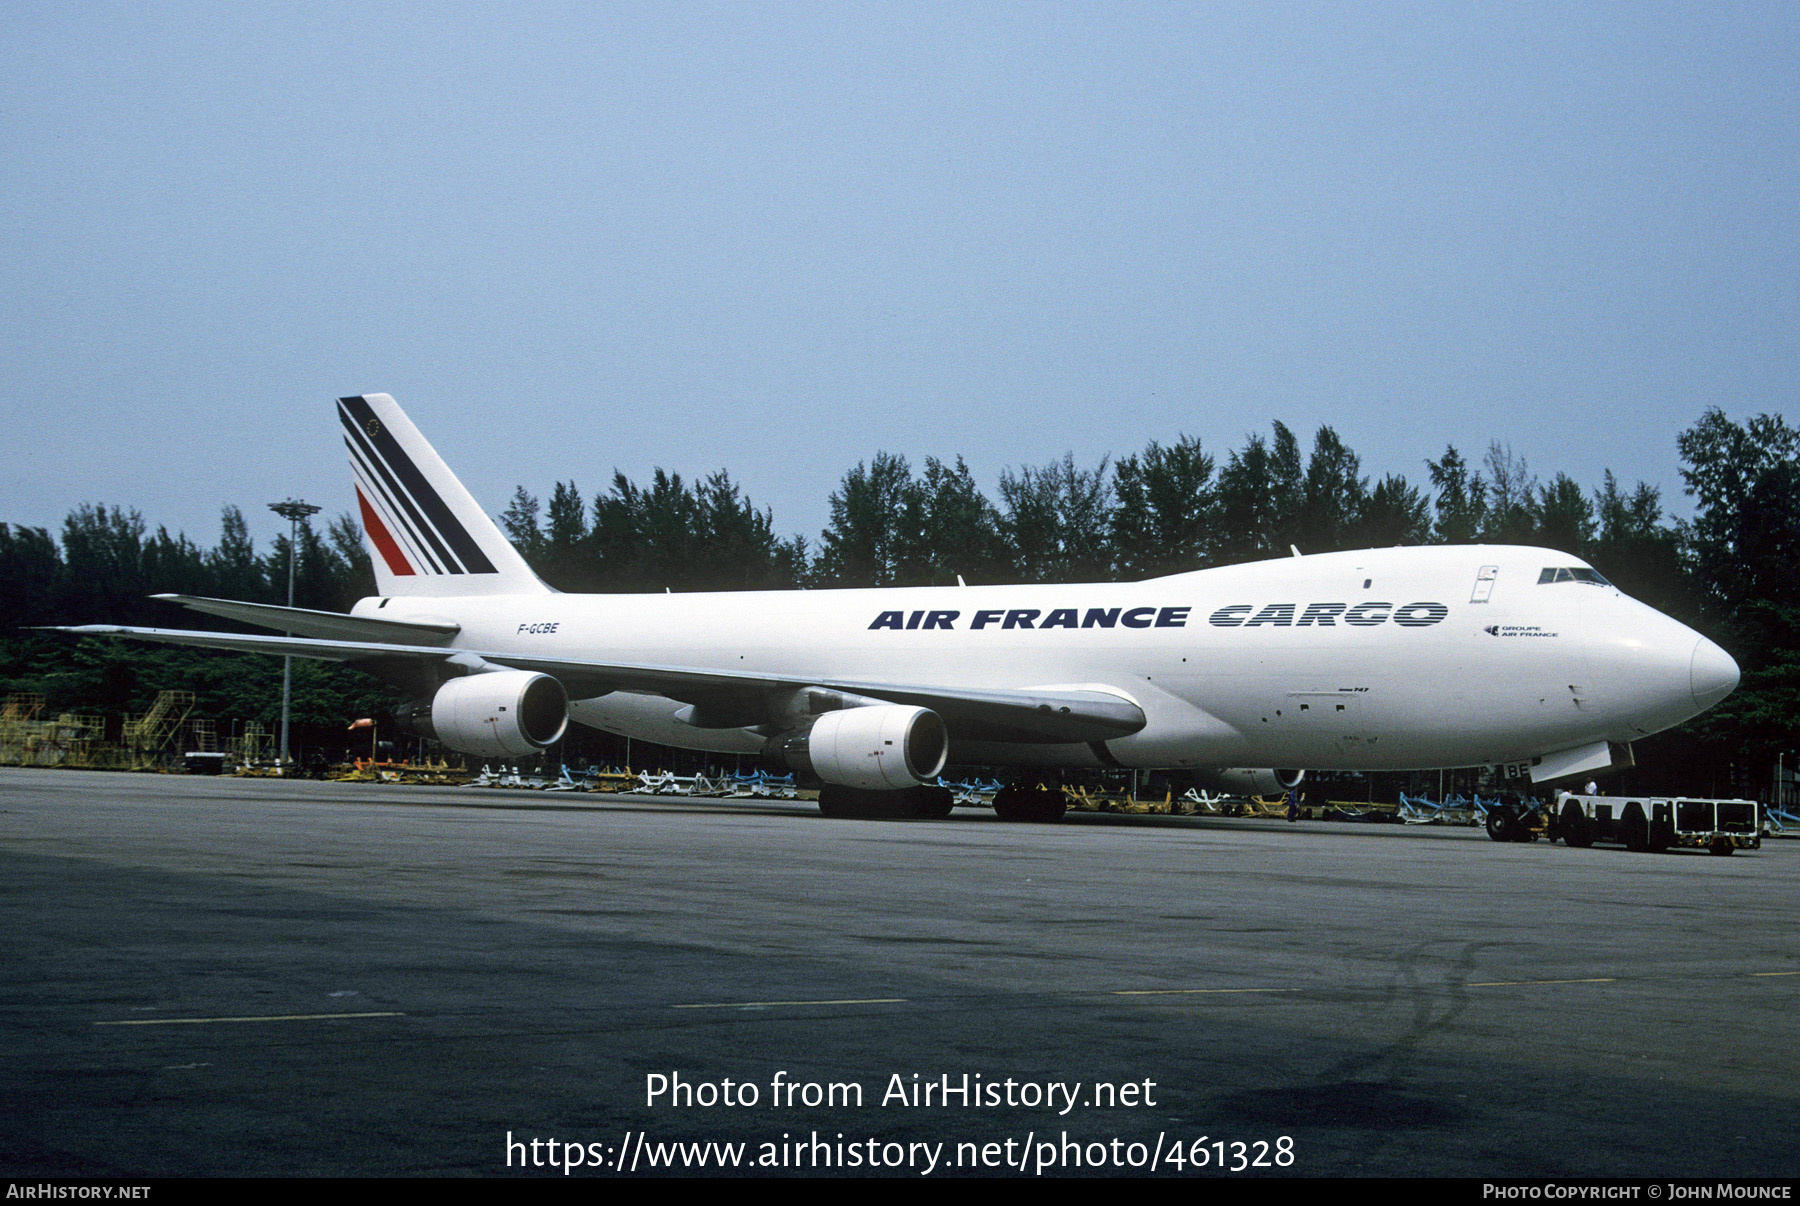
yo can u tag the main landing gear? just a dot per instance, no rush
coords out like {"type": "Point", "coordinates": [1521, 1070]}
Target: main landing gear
{"type": "Point", "coordinates": [1030, 800]}
{"type": "Point", "coordinates": [1024, 800]}
{"type": "Point", "coordinates": [925, 802]}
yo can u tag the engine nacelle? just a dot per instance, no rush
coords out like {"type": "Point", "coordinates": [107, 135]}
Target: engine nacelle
{"type": "Point", "coordinates": [506, 713]}
{"type": "Point", "coordinates": [1248, 781]}
{"type": "Point", "coordinates": [883, 747]}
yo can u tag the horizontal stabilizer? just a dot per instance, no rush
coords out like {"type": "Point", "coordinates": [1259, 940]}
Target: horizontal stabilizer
{"type": "Point", "coordinates": [331, 625]}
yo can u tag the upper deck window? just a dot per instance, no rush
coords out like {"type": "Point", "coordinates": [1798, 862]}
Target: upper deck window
{"type": "Point", "coordinates": [1574, 573]}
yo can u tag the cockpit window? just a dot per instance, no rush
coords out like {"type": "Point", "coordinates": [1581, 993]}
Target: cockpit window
{"type": "Point", "coordinates": [1574, 573]}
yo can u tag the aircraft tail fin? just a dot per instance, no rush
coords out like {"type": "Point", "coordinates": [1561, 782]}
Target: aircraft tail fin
{"type": "Point", "coordinates": [425, 533]}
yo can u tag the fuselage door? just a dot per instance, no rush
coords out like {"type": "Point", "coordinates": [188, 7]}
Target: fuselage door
{"type": "Point", "coordinates": [1484, 583]}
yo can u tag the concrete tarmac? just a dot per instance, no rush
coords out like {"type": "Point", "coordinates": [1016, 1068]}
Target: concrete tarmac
{"type": "Point", "coordinates": [255, 977]}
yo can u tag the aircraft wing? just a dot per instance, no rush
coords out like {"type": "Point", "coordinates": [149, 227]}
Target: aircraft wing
{"type": "Point", "coordinates": [1023, 714]}
{"type": "Point", "coordinates": [331, 625]}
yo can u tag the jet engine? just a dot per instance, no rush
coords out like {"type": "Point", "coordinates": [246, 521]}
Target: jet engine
{"type": "Point", "coordinates": [883, 747]}
{"type": "Point", "coordinates": [505, 713]}
{"type": "Point", "coordinates": [1248, 781]}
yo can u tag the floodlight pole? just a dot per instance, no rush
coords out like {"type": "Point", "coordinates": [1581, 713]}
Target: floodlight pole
{"type": "Point", "coordinates": [292, 510]}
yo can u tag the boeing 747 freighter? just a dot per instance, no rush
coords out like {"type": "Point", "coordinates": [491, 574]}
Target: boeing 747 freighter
{"type": "Point", "coordinates": [1378, 659]}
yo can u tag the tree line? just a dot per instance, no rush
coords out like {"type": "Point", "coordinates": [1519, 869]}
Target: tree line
{"type": "Point", "coordinates": [103, 567]}
{"type": "Point", "coordinates": [1164, 510]}
{"type": "Point", "coordinates": [1731, 571]}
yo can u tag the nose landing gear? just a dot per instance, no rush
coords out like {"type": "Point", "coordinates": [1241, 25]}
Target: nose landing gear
{"type": "Point", "coordinates": [1504, 825]}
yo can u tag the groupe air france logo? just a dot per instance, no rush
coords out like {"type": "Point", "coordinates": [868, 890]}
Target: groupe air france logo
{"type": "Point", "coordinates": [1234, 615]}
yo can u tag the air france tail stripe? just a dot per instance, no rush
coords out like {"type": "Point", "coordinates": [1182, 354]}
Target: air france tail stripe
{"type": "Point", "coordinates": [401, 507]}
{"type": "Point", "coordinates": [403, 524]}
{"type": "Point", "coordinates": [398, 521]}
{"type": "Point", "coordinates": [405, 541]}
{"type": "Point", "coordinates": [445, 521]}
{"type": "Point", "coordinates": [384, 542]}
{"type": "Point", "coordinates": [405, 504]}
{"type": "Point", "coordinates": [387, 513]}
{"type": "Point", "coordinates": [407, 510]}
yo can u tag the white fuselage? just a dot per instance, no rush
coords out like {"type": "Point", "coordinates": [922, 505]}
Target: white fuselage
{"type": "Point", "coordinates": [1398, 658]}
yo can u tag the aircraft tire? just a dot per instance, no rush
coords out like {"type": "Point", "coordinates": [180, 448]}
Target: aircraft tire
{"type": "Point", "coordinates": [929, 802]}
{"type": "Point", "coordinates": [1011, 804]}
{"type": "Point", "coordinates": [832, 802]}
{"type": "Point", "coordinates": [1500, 825]}
{"type": "Point", "coordinates": [836, 800]}
{"type": "Point", "coordinates": [1030, 802]}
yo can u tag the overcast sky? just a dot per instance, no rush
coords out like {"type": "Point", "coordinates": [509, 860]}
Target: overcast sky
{"type": "Point", "coordinates": [777, 238]}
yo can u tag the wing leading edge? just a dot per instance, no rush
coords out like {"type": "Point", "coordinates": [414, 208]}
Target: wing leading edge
{"type": "Point", "coordinates": [722, 698]}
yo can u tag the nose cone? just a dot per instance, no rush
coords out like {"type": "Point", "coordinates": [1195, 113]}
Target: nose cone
{"type": "Point", "coordinates": [1713, 674]}
{"type": "Point", "coordinates": [1647, 671]}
